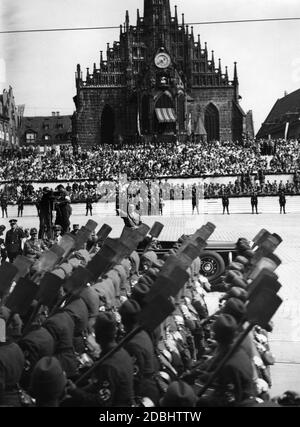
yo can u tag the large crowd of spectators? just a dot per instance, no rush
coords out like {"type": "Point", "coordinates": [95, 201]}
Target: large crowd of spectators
{"type": "Point", "coordinates": [93, 175]}
{"type": "Point", "coordinates": [235, 189]}
{"type": "Point", "coordinates": [150, 160]}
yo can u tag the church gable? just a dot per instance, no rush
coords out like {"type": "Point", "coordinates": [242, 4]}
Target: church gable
{"type": "Point", "coordinates": [159, 53]}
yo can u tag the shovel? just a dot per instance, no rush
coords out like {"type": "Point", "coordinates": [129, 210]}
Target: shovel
{"type": "Point", "coordinates": [266, 279]}
{"type": "Point", "coordinates": [259, 312]}
{"type": "Point", "coordinates": [150, 318]}
{"type": "Point", "coordinates": [270, 263]}
{"type": "Point", "coordinates": [23, 264]}
{"type": "Point", "coordinates": [19, 301]}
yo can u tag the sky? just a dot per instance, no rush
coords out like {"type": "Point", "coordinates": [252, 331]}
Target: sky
{"type": "Point", "coordinates": [41, 66]}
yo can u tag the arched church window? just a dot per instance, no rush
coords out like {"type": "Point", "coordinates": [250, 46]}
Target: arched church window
{"type": "Point", "coordinates": [212, 122]}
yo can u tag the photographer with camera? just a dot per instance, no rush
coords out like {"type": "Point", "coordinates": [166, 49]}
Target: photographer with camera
{"type": "Point", "coordinates": [63, 210]}
{"type": "Point", "coordinates": [45, 208]}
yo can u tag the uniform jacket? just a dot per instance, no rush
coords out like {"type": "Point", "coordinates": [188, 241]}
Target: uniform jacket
{"type": "Point", "coordinates": [282, 199]}
{"type": "Point", "coordinates": [13, 241]}
{"type": "Point", "coordinates": [235, 380]}
{"type": "Point", "coordinates": [112, 384]}
{"type": "Point", "coordinates": [225, 200]}
{"type": "Point", "coordinates": [141, 350]}
{"type": "Point", "coordinates": [34, 248]}
{"type": "Point", "coordinates": [61, 326]}
{"type": "Point", "coordinates": [11, 368]}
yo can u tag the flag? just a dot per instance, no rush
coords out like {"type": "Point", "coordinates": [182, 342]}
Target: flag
{"type": "Point", "coordinates": [138, 122]}
{"type": "Point", "coordinates": [189, 126]}
{"type": "Point", "coordinates": [200, 128]}
{"type": "Point", "coordinates": [286, 130]}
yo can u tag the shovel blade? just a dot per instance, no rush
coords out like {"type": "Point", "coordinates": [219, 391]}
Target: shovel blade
{"type": "Point", "coordinates": [266, 279]}
{"type": "Point", "coordinates": [265, 263]}
{"type": "Point", "coordinates": [260, 237]}
{"type": "Point", "coordinates": [262, 307]}
{"type": "Point", "coordinates": [67, 243]}
{"type": "Point", "coordinates": [46, 262]}
{"type": "Point", "coordinates": [156, 230]}
{"type": "Point", "coordinates": [155, 313]}
{"type": "Point", "coordinates": [104, 232]}
{"type": "Point", "coordinates": [170, 281]}
{"type": "Point", "coordinates": [79, 279]}
{"type": "Point", "coordinates": [58, 250]}
{"type": "Point", "coordinates": [204, 232]}
{"type": "Point", "coordinates": [23, 265]}
{"type": "Point", "coordinates": [49, 288]}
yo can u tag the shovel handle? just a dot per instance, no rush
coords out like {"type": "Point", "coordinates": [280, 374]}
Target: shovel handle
{"type": "Point", "coordinates": [124, 341]}
{"type": "Point", "coordinates": [225, 359]}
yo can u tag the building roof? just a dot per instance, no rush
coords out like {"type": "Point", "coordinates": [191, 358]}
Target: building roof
{"type": "Point", "coordinates": [288, 104]}
{"type": "Point", "coordinates": [145, 39]}
{"type": "Point", "coordinates": [57, 128]}
{"type": "Point", "coordinates": [285, 108]}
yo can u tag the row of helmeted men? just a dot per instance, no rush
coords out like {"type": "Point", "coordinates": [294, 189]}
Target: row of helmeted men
{"type": "Point", "coordinates": [169, 367]}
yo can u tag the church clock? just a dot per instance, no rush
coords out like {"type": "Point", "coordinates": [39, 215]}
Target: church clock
{"type": "Point", "coordinates": [162, 60]}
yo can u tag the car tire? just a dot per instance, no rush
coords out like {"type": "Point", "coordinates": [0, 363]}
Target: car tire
{"type": "Point", "coordinates": [212, 265]}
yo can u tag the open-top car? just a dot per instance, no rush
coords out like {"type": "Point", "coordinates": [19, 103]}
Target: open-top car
{"type": "Point", "coordinates": [214, 258]}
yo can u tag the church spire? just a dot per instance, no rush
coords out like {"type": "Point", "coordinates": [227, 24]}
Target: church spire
{"type": "Point", "coordinates": [127, 20]}
{"type": "Point", "coordinates": [235, 75]}
{"type": "Point", "coordinates": [157, 13]}
{"type": "Point", "coordinates": [220, 66]}
{"type": "Point", "coordinates": [199, 41]}
{"type": "Point", "coordinates": [236, 83]}
{"type": "Point", "coordinates": [213, 59]}
{"type": "Point", "coordinates": [226, 74]}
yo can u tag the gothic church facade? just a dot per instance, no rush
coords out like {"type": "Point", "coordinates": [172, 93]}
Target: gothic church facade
{"type": "Point", "coordinates": [158, 79]}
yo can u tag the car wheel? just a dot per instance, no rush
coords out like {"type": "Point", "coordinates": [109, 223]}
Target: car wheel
{"type": "Point", "coordinates": [212, 265]}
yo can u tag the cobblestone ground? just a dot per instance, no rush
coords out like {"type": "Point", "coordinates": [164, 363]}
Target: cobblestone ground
{"type": "Point", "coordinates": [286, 336]}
